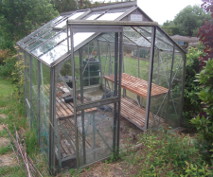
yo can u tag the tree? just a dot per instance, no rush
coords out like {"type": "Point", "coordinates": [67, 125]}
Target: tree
{"type": "Point", "coordinates": [187, 21]}
{"type": "Point", "coordinates": [65, 5]}
{"type": "Point", "coordinates": [20, 17]}
{"type": "Point", "coordinates": [206, 32]}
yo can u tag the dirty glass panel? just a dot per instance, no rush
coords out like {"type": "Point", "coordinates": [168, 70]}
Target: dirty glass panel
{"type": "Point", "coordinates": [45, 108]}
{"type": "Point", "coordinates": [55, 53]}
{"type": "Point", "coordinates": [95, 135]}
{"type": "Point", "coordinates": [64, 115]}
{"type": "Point", "coordinates": [93, 16]}
{"type": "Point", "coordinates": [27, 86]}
{"type": "Point", "coordinates": [95, 69]}
{"type": "Point", "coordinates": [136, 57]}
{"type": "Point", "coordinates": [50, 44]}
{"type": "Point", "coordinates": [80, 37]}
{"type": "Point", "coordinates": [175, 96]}
{"type": "Point", "coordinates": [35, 92]}
{"type": "Point", "coordinates": [110, 16]}
{"type": "Point", "coordinates": [64, 22]}
{"type": "Point", "coordinates": [161, 79]}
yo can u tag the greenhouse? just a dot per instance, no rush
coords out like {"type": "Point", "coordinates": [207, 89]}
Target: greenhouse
{"type": "Point", "coordinates": [87, 70]}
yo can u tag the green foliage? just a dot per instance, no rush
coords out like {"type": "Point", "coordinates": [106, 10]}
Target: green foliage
{"type": "Point", "coordinates": [164, 154]}
{"type": "Point", "coordinates": [18, 78]}
{"type": "Point", "coordinates": [64, 5]}
{"type": "Point", "coordinates": [31, 142]}
{"type": "Point", "coordinates": [75, 172]}
{"type": "Point", "coordinates": [187, 21]}
{"type": "Point", "coordinates": [7, 67]}
{"type": "Point", "coordinates": [192, 102]}
{"type": "Point", "coordinates": [20, 17]}
{"type": "Point", "coordinates": [197, 170]}
{"type": "Point", "coordinates": [14, 171]}
{"type": "Point", "coordinates": [5, 149]}
{"type": "Point", "coordinates": [204, 121]}
{"type": "Point", "coordinates": [6, 41]}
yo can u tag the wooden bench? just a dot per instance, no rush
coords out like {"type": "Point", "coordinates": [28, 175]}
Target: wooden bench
{"type": "Point", "coordinates": [130, 110]}
{"type": "Point", "coordinates": [138, 86]}
{"type": "Point", "coordinates": [135, 114]}
{"type": "Point", "coordinates": [66, 110]}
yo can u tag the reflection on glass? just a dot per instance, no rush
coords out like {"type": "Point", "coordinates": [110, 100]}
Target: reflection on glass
{"type": "Point", "coordinates": [92, 17]}
{"type": "Point", "coordinates": [81, 37]}
{"type": "Point", "coordinates": [76, 15]}
{"type": "Point", "coordinates": [55, 53]}
{"type": "Point", "coordinates": [110, 16]}
{"type": "Point", "coordinates": [51, 43]}
{"type": "Point", "coordinates": [72, 17]}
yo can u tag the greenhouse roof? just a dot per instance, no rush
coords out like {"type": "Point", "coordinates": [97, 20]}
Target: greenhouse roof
{"type": "Point", "coordinates": [50, 43]}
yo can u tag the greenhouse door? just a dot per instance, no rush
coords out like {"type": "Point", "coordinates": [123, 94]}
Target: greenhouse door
{"type": "Point", "coordinates": [96, 53]}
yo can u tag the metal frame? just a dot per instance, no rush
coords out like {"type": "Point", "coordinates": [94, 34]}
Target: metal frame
{"type": "Point", "coordinates": [150, 77]}
{"type": "Point", "coordinates": [98, 27]}
{"type": "Point", "coordinates": [115, 100]}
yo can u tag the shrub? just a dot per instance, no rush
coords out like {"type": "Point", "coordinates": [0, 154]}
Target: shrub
{"type": "Point", "coordinates": [165, 154]}
{"type": "Point", "coordinates": [191, 105]}
{"type": "Point", "coordinates": [204, 121]}
{"type": "Point", "coordinates": [7, 66]}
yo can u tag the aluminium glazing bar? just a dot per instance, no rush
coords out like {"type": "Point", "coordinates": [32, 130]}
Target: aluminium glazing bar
{"type": "Point", "coordinates": [39, 103]}
{"type": "Point", "coordinates": [148, 101]}
{"type": "Point", "coordinates": [82, 101]}
{"type": "Point", "coordinates": [52, 158]}
{"type": "Point", "coordinates": [115, 92]}
{"type": "Point", "coordinates": [119, 89]}
{"type": "Point", "coordinates": [31, 88]}
{"type": "Point", "coordinates": [74, 96]}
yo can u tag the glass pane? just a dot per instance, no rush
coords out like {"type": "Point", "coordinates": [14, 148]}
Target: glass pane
{"type": "Point", "coordinates": [44, 108]}
{"type": "Point", "coordinates": [50, 44]}
{"type": "Point", "coordinates": [81, 37]}
{"type": "Point", "coordinates": [92, 17]}
{"type": "Point", "coordinates": [97, 127]}
{"type": "Point", "coordinates": [95, 68]}
{"type": "Point", "coordinates": [110, 16]}
{"type": "Point", "coordinates": [64, 23]}
{"type": "Point", "coordinates": [76, 15]}
{"type": "Point", "coordinates": [35, 96]}
{"type": "Point", "coordinates": [55, 53]}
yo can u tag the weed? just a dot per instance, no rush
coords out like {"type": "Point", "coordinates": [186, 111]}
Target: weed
{"type": "Point", "coordinates": [31, 142]}
{"type": "Point", "coordinates": [163, 154]}
{"type": "Point", "coordinates": [15, 171]}
{"type": "Point", "coordinates": [75, 172]}
{"type": "Point", "coordinates": [4, 150]}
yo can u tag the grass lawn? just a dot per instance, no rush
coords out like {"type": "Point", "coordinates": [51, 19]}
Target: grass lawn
{"type": "Point", "coordinates": [8, 107]}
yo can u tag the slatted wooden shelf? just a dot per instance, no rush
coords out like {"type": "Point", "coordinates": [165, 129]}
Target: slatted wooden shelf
{"type": "Point", "coordinates": [138, 86]}
{"type": "Point", "coordinates": [66, 110]}
{"type": "Point", "coordinates": [136, 114]}
{"type": "Point", "coordinates": [67, 138]}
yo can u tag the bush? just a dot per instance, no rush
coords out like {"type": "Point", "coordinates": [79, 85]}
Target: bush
{"type": "Point", "coordinates": [165, 154]}
{"type": "Point", "coordinates": [7, 66]}
{"type": "Point", "coordinates": [204, 121]}
{"type": "Point", "coordinates": [192, 102]}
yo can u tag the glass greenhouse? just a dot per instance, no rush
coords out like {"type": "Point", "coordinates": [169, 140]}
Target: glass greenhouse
{"type": "Point", "coordinates": [88, 69]}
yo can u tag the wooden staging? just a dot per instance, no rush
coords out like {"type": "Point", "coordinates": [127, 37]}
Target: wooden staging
{"type": "Point", "coordinates": [135, 114]}
{"type": "Point", "coordinates": [138, 86]}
